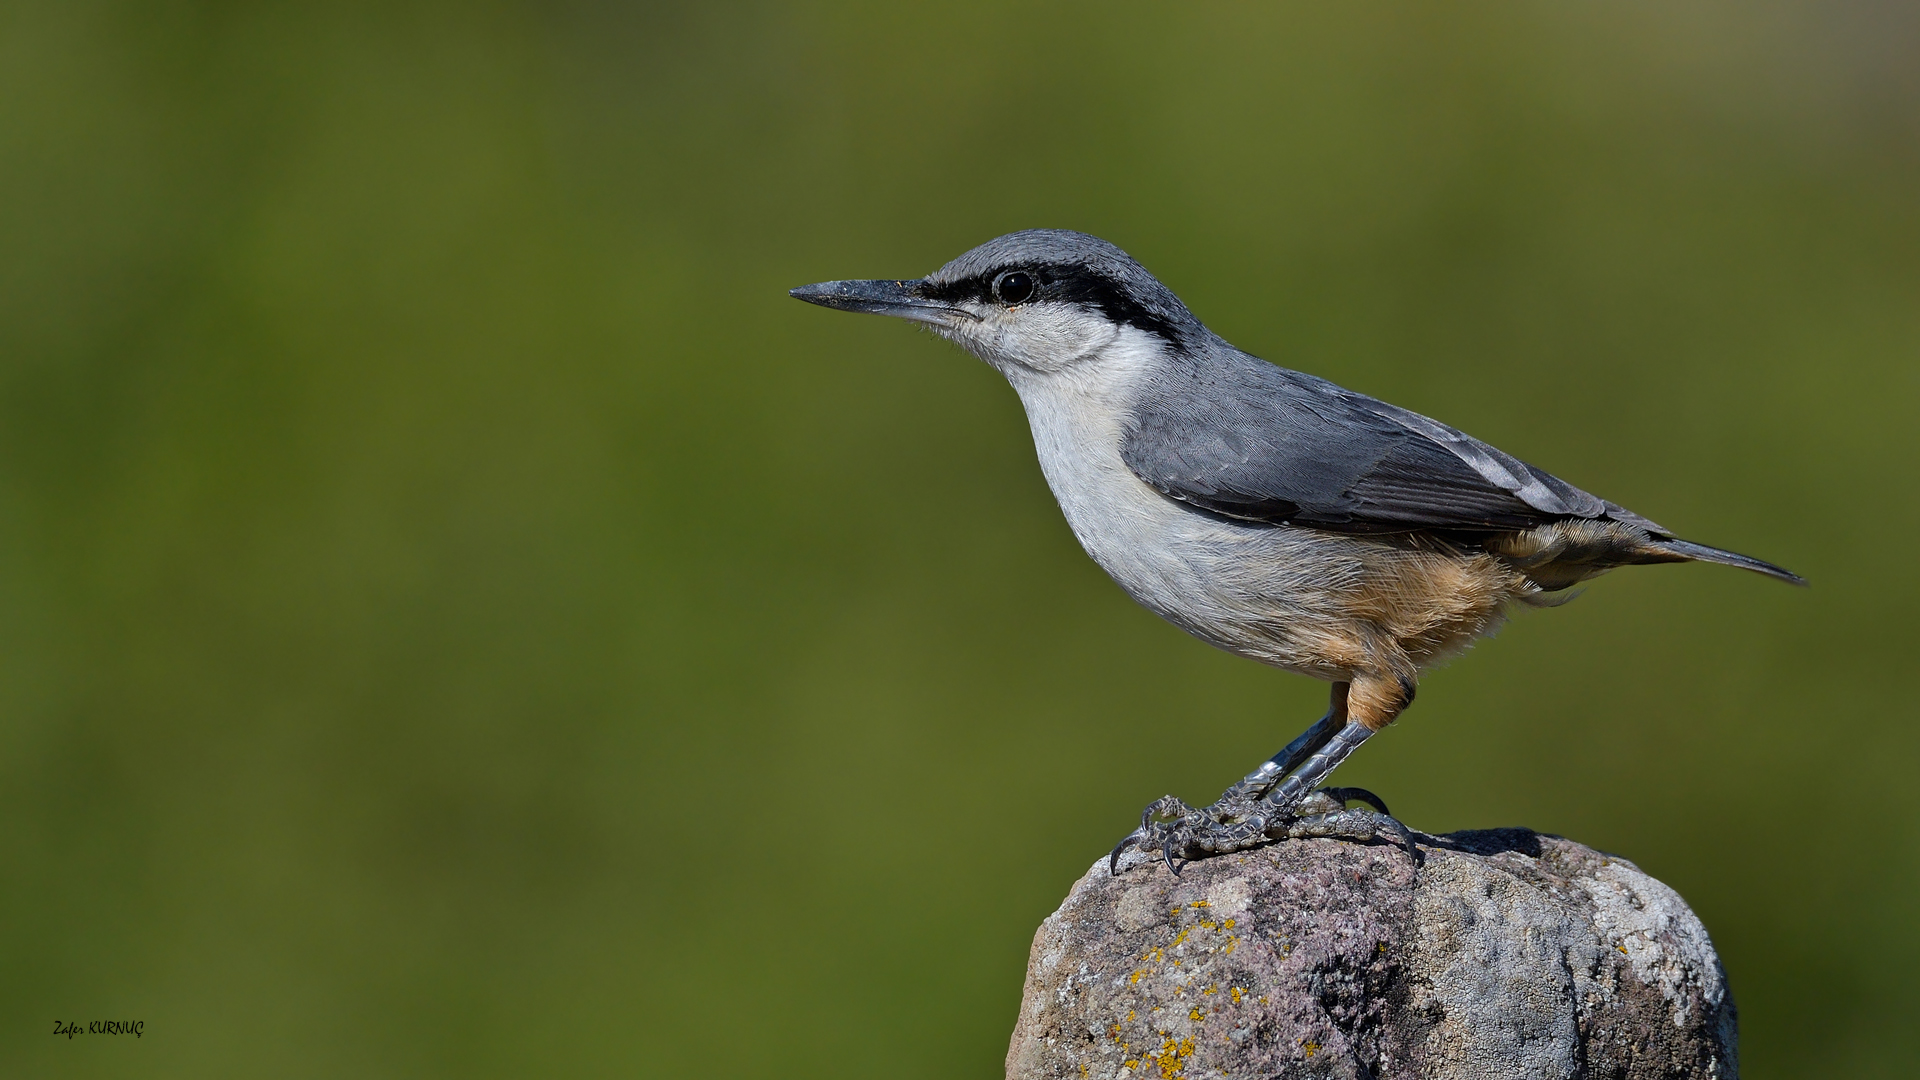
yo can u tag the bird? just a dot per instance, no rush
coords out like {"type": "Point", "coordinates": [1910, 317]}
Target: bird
{"type": "Point", "coordinates": [1267, 512]}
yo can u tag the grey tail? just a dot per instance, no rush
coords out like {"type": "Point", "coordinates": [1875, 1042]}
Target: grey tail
{"type": "Point", "coordinates": [1680, 550]}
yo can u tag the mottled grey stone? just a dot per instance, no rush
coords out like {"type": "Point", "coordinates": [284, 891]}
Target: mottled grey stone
{"type": "Point", "coordinates": [1504, 953]}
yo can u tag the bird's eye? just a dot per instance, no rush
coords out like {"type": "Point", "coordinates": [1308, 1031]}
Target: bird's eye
{"type": "Point", "coordinates": [1013, 287]}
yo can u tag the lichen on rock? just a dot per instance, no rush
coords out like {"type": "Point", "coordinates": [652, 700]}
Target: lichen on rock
{"type": "Point", "coordinates": [1502, 953]}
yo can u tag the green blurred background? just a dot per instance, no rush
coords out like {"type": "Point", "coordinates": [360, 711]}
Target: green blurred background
{"type": "Point", "coordinates": [459, 617]}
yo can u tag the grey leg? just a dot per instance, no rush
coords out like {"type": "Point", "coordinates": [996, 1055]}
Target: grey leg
{"type": "Point", "coordinates": [1269, 803]}
{"type": "Point", "coordinates": [1288, 793]}
{"type": "Point", "coordinates": [1261, 780]}
{"type": "Point", "coordinates": [1237, 808]}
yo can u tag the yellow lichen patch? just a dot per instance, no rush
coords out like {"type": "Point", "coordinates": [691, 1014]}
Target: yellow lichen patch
{"type": "Point", "coordinates": [1204, 924]}
{"type": "Point", "coordinates": [1310, 1047]}
{"type": "Point", "coordinates": [1235, 993]}
{"type": "Point", "coordinates": [1135, 977]}
{"type": "Point", "coordinates": [1200, 903]}
{"type": "Point", "coordinates": [1129, 1016]}
{"type": "Point", "coordinates": [1195, 1015]}
{"type": "Point", "coordinates": [1232, 943]}
{"type": "Point", "coordinates": [1228, 924]}
{"type": "Point", "coordinates": [1171, 1058]}
{"type": "Point", "coordinates": [1211, 989]}
{"type": "Point", "coordinates": [1177, 942]}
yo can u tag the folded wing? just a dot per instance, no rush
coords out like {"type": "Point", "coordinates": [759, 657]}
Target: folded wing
{"type": "Point", "coordinates": [1237, 436]}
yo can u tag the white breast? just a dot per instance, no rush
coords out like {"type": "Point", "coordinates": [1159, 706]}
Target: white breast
{"type": "Point", "coordinates": [1076, 416]}
{"type": "Point", "coordinates": [1233, 585]}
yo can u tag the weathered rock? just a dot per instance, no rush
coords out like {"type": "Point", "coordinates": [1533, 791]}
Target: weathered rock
{"type": "Point", "coordinates": [1505, 953]}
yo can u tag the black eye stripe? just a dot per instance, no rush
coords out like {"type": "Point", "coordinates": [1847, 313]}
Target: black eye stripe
{"type": "Point", "coordinates": [1070, 283]}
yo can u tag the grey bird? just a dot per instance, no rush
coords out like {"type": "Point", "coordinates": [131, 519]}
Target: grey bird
{"type": "Point", "coordinates": [1264, 511]}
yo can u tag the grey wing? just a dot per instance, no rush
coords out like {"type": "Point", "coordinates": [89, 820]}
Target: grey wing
{"type": "Point", "coordinates": [1246, 439]}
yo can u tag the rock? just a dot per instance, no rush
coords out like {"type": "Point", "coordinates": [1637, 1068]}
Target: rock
{"type": "Point", "coordinates": [1504, 953]}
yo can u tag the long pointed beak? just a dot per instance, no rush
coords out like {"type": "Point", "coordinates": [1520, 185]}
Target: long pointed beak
{"type": "Point", "coordinates": [901, 299]}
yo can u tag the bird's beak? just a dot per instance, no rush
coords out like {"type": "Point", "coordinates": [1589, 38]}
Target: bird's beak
{"type": "Point", "coordinates": [901, 299]}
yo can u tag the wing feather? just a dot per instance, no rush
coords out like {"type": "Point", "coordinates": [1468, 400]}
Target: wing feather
{"type": "Point", "coordinates": [1235, 435]}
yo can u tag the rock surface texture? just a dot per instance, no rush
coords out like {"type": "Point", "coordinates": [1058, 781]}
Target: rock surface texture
{"type": "Point", "coordinates": [1504, 953]}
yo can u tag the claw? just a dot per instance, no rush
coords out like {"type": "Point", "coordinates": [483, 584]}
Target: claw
{"type": "Point", "coordinates": [1113, 858]}
{"type": "Point", "coordinates": [1166, 852]}
{"type": "Point", "coordinates": [1404, 835]}
{"type": "Point", "coordinates": [1358, 794]}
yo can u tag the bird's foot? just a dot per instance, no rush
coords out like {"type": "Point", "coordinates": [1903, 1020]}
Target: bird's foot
{"type": "Point", "coordinates": [1177, 831]}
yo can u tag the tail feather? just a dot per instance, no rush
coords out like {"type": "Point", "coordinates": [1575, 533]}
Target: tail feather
{"type": "Point", "coordinates": [1678, 550]}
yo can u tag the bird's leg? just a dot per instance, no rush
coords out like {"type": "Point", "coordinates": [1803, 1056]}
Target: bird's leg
{"type": "Point", "coordinates": [1290, 793]}
{"type": "Point", "coordinates": [1235, 817]}
{"type": "Point", "coordinates": [1261, 780]}
{"type": "Point", "coordinates": [1278, 799]}
{"type": "Point", "coordinates": [1238, 801]}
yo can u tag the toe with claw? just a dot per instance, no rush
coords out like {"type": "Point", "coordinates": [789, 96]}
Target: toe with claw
{"type": "Point", "coordinates": [1359, 826]}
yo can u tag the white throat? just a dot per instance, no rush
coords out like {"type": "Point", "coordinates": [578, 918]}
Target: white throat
{"type": "Point", "coordinates": [1076, 412]}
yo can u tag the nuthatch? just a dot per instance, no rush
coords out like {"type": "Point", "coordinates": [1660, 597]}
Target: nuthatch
{"type": "Point", "coordinates": [1264, 511]}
